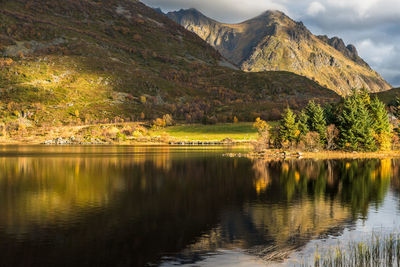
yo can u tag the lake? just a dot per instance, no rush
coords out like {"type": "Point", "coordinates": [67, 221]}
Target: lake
{"type": "Point", "coordinates": [190, 206]}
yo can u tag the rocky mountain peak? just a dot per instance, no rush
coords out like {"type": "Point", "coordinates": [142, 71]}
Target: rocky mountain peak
{"type": "Point", "coordinates": [350, 51]}
{"type": "Point", "coordinates": [273, 41]}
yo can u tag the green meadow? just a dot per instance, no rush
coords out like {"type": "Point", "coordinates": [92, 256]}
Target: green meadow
{"type": "Point", "coordinates": [196, 132]}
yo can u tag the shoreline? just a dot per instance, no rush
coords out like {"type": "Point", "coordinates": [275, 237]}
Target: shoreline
{"type": "Point", "coordinates": [275, 154]}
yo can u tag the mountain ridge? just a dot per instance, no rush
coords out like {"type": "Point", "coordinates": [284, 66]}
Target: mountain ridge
{"type": "Point", "coordinates": [273, 41]}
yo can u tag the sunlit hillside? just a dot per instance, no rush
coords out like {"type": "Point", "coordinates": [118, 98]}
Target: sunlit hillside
{"type": "Point", "coordinates": [68, 62]}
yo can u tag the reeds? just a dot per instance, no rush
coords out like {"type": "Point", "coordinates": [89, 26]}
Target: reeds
{"type": "Point", "coordinates": [376, 251]}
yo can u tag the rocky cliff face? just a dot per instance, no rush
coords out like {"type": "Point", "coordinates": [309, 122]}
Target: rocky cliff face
{"type": "Point", "coordinates": [273, 41]}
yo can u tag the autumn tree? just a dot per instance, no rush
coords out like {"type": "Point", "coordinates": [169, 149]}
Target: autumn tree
{"type": "Point", "coordinates": [263, 131]}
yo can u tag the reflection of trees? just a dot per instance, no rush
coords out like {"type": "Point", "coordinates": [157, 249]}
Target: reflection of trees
{"type": "Point", "coordinates": [356, 183]}
{"type": "Point", "coordinates": [364, 182]}
{"type": "Point", "coordinates": [134, 204]}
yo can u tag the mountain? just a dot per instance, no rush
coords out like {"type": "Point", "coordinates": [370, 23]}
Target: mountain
{"type": "Point", "coordinates": [79, 61]}
{"type": "Point", "coordinates": [273, 41]}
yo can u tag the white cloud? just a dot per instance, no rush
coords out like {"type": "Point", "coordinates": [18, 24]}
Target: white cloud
{"type": "Point", "coordinates": [315, 8]}
{"type": "Point", "coordinates": [376, 53]}
{"type": "Point", "coordinates": [360, 7]}
{"type": "Point", "coordinates": [229, 11]}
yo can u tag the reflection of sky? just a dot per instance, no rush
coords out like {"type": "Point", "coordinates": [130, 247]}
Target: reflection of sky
{"type": "Point", "coordinates": [236, 258]}
{"type": "Point", "coordinates": [384, 218]}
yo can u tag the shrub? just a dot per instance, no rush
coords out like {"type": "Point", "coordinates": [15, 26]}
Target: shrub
{"type": "Point", "coordinates": [120, 137]}
{"type": "Point", "coordinates": [332, 134]}
{"type": "Point", "coordinates": [168, 120]}
{"type": "Point", "coordinates": [110, 132]}
{"type": "Point", "coordinates": [159, 123]}
{"type": "Point", "coordinates": [263, 141]}
{"type": "Point", "coordinates": [260, 125]}
{"type": "Point", "coordinates": [311, 142]}
{"type": "Point", "coordinates": [4, 62]}
{"type": "Point", "coordinates": [127, 130]}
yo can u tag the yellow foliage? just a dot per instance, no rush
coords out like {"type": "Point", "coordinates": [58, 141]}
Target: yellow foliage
{"type": "Point", "coordinates": [17, 113]}
{"type": "Point", "coordinates": [260, 125]}
{"type": "Point", "coordinates": [5, 62]}
{"type": "Point", "coordinates": [297, 176]}
{"type": "Point", "coordinates": [235, 120]}
{"type": "Point", "coordinates": [384, 141]}
{"type": "Point", "coordinates": [158, 123]}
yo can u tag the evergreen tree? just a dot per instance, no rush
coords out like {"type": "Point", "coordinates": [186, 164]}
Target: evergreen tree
{"type": "Point", "coordinates": [331, 112]}
{"type": "Point", "coordinates": [397, 107]}
{"type": "Point", "coordinates": [316, 121]}
{"type": "Point", "coordinates": [355, 124]}
{"type": "Point", "coordinates": [302, 125]}
{"type": "Point", "coordinates": [381, 124]}
{"type": "Point", "coordinates": [288, 130]}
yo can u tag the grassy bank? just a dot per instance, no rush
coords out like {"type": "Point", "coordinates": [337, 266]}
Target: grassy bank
{"type": "Point", "coordinates": [130, 133]}
{"type": "Point", "coordinates": [196, 132]}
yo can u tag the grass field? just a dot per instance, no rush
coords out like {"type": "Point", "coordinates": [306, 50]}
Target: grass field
{"type": "Point", "coordinates": [197, 132]}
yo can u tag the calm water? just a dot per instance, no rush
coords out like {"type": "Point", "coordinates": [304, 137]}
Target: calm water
{"type": "Point", "coordinates": [138, 206]}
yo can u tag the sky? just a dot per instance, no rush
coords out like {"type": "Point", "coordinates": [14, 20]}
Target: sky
{"type": "Point", "coordinates": [373, 26]}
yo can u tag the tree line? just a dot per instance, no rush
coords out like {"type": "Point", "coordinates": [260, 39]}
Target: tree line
{"type": "Point", "coordinates": [356, 123]}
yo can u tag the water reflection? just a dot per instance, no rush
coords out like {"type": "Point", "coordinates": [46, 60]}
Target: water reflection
{"type": "Point", "coordinates": [136, 205]}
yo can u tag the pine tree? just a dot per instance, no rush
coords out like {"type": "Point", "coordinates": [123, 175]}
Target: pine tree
{"type": "Point", "coordinates": [316, 121]}
{"type": "Point", "coordinates": [381, 124]}
{"type": "Point", "coordinates": [355, 124]}
{"type": "Point", "coordinates": [302, 125]}
{"type": "Point", "coordinates": [331, 112]}
{"type": "Point", "coordinates": [288, 130]}
{"type": "Point", "coordinates": [397, 107]}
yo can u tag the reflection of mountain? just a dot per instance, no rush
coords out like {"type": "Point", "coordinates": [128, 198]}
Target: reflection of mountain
{"type": "Point", "coordinates": [133, 206]}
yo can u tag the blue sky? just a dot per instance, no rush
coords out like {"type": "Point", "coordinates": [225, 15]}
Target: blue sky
{"type": "Point", "coordinates": [373, 26]}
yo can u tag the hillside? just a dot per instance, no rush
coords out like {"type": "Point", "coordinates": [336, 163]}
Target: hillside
{"type": "Point", "coordinates": [80, 61]}
{"type": "Point", "coordinates": [273, 41]}
{"type": "Point", "coordinates": [389, 97]}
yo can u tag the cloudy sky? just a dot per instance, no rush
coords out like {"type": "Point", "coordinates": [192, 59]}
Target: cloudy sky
{"type": "Point", "coordinates": [373, 26]}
